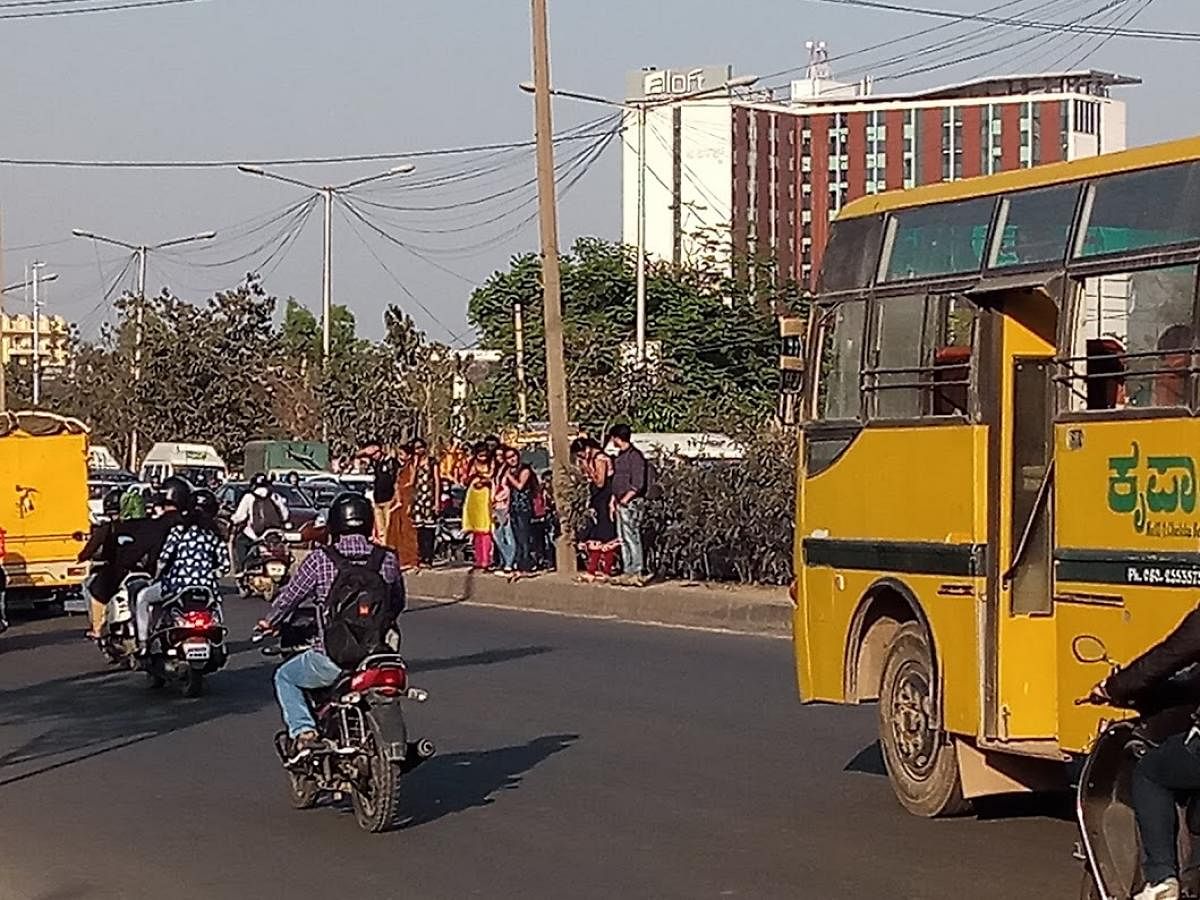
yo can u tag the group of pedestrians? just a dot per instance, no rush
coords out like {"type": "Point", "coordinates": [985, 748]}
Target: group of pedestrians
{"type": "Point", "coordinates": [407, 495]}
{"type": "Point", "coordinates": [506, 510]}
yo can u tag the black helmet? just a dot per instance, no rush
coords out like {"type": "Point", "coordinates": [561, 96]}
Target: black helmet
{"type": "Point", "coordinates": [112, 503]}
{"type": "Point", "coordinates": [259, 481]}
{"type": "Point", "coordinates": [351, 513]}
{"type": "Point", "coordinates": [205, 503]}
{"type": "Point", "coordinates": [176, 492]}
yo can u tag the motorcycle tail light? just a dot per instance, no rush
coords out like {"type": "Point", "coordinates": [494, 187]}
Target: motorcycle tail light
{"type": "Point", "coordinates": [198, 618]}
{"type": "Point", "coordinates": [388, 680]}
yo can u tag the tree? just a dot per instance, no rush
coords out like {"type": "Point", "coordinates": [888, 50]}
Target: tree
{"type": "Point", "coordinates": [718, 364]}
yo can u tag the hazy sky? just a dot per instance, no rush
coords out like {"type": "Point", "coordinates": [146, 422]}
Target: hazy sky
{"type": "Point", "coordinates": [245, 79]}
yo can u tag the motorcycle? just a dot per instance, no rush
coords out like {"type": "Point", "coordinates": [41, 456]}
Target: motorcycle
{"type": "Point", "coordinates": [268, 567]}
{"type": "Point", "coordinates": [118, 640]}
{"type": "Point", "coordinates": [366, 749]}
{"type": "Point", "coordinates": [187, 640]}
{"type": "Point", "coordinates": [1108, 845]}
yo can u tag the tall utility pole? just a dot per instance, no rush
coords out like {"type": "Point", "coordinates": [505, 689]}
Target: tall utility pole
{"type": "Point", "coordinates": [556, 369]}
{"type": "Point", "coordinates": [519, 343]}
{"type": "Point", "coordinates": [141, 250]}
{"type": "Point", "coordinates": [328, 192]}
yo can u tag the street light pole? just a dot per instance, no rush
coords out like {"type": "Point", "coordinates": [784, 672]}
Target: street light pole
{"type": "Point", "coordinates": [327, 278]}
{"type": "Point", "coordinates": [640, 107]}
{"type": "Point", "coordinates": [641, 238]}
{"type": "Point", "coordinates": [37, 336]}
{"type": "Point", "coordinates": [556, 377]}
{"type": "Point", "coordinates": [327, 192]}
{"type": "Point", "coordinates": [141, 251]}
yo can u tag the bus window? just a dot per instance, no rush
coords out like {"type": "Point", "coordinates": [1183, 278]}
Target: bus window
{"type": "Point", "coordinates": [1133, 335]}
{"type": "Point", "coordinates": [851, 253]}
{"type": "Point", "coordinates": [942, 239]}
{"type": "Point", "coordinates": [1138, 210]}
{"type": "Point", "coordinates": [952, 325]}
{"type": "Point", "coordinates": [841, 344]}
{"type": "Point", "coordinates": [899, 358]}
{"type": "Point", "coordinates": [1034, 226]}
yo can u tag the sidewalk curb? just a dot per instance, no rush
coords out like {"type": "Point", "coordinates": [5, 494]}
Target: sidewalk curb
{"type": "Point", "coordinates": [747, 610]}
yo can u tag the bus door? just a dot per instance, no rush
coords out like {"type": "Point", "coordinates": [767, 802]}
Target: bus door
{"type": "Point", "coordinates": [1019, 699]}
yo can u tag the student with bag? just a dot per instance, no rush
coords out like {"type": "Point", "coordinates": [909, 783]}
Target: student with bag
{"type": "Point", "coordinates": [358, 591]}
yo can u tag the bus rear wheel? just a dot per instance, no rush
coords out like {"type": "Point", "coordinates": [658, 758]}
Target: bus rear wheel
{"type": "Point", "coordinates": [921, 762]}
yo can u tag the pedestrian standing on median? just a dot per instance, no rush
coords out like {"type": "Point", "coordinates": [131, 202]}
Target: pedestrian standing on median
{"type": "Point", "coordinates": [522, 486]}
{"type": "Point", "coordinates": [402, 532]}
{"type": "Point", "coordinates": [383, 491]}
{"type": "Point", "coordinates": [599, 534]}
{"type": "Point", "coordinates": [477, 507]}
{"type": "Point", "coordinates": [502, 527]}
{"type": "Point", "coordinates": [630, 479]}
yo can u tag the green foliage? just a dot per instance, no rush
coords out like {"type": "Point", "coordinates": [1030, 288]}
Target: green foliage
{"type": "Point", "coordinates": [718, 360]}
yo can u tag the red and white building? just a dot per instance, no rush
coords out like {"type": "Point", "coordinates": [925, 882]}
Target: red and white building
{"type": "Point", "coordinates": [763, 177]}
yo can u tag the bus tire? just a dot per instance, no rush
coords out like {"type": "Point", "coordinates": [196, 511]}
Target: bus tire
{"type": "Point", "coordinates": [920, 759]}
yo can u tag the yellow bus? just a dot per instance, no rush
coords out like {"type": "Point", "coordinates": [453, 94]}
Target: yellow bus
{"type": "Point", "coordinates": [1000, 437]}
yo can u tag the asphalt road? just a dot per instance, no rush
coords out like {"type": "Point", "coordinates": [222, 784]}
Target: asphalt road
{"type": "Point", "coordinates": [578, 759]}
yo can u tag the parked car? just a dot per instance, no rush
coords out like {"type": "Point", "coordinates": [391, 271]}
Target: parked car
{"type": "Point", "coordinates": [302, 508]}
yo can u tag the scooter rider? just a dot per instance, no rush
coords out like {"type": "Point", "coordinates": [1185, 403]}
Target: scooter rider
{"type": "Point", "coordinates": [151, 536]}
{"type": "Point", "coordinates": [259, 511]}
{"type": "Point", "coordinates": [351, 521]}
{"type": "Point", "coordinates": [1166, 770]}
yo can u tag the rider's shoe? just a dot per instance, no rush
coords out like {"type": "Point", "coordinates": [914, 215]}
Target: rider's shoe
{"type": "Point", "coordinates": [1163, 890]}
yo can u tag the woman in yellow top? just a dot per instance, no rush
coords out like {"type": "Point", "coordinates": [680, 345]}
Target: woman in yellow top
{"type": "Point", "coordinates": [477, 507]}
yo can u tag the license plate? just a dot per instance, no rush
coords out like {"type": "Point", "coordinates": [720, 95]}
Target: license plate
{"type": "Point", "coordinates": [196, 650]}
{"type": "Point", "coordinates": [276, 569]}
{"type": "Point", "coordinates": [293, 537]}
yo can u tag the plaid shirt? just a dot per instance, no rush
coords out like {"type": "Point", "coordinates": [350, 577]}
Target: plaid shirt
{"type": "Point", "coordinates": [315, 577]}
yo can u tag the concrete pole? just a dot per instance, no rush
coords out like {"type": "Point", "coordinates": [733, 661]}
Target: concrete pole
{"type": "Point", "coordinates": [641, 237]}
{"type": "Point", "coordinates": [556, 375]}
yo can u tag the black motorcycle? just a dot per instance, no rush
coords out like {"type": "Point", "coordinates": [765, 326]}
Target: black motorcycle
{"type": "Point", "coordinates": [187, 640]}
{"type": "Point", "coordinates": [1109, 846]}
{"type": "Point", "coordinates": [366, 748]}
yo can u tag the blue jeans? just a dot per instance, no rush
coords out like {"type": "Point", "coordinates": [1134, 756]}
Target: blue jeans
{"type": "Point", "coordinates": [629, 529]}
{"type": "Point", "coordinates": [506, 541]}
{"type": "Point", "coordinates": [311, 669]}
{"type": "Point", "coordinates": [1158, 778]}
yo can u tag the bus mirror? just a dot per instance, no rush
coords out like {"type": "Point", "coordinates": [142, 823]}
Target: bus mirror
{"type": "Point", "coordinates": [1090, 649]}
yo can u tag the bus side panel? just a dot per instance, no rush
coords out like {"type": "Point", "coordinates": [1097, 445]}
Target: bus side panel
{"type": "Point", "coordinates": [905, 496]}
{"type": "Point", "coordinates": [1127, 548]}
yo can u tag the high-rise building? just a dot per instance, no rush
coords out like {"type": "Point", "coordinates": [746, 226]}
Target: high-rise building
{"type": "Point", "coordinates": [755, 177]}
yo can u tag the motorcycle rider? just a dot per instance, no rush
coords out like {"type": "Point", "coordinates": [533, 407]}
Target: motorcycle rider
{"type": "Point", "coordinates": [351, 521]}
{"type": "Point", "coordinates": [1172, 767]}
{"type": "Point", "coordinates": [259, 511]}
{"type": "Point", "coordinates": [101, 550]}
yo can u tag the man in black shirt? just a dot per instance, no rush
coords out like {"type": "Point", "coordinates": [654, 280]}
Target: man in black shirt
{"type": "Point", "coordinates": [383, 491]}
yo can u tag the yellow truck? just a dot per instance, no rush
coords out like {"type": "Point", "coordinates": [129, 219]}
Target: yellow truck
{"type": "Point", "coordinates": [43, 506]}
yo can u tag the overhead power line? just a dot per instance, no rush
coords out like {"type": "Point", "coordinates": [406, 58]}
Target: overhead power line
{"type": "Point", "coordinates": [1139, 33]}
{"type": "Point", "coordinates": [83, 10]}
{"type": "Point", "coordinates": [287, 161]}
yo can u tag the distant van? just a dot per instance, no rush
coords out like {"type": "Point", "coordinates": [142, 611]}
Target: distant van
{"type": "Point", "coordinates": [198, 463]}
{"type": "Point", "coordinates": [691, 446]}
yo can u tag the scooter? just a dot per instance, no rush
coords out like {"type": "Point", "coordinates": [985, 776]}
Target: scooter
{"type": "Point", "coordinates": [118, 639]}
{"type": "Point", "coordinates": [268, 567]}
{"type": "Point", "coordinates": [187, 641]}
{"type": "Point", "coordinates": [1108, 836]}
